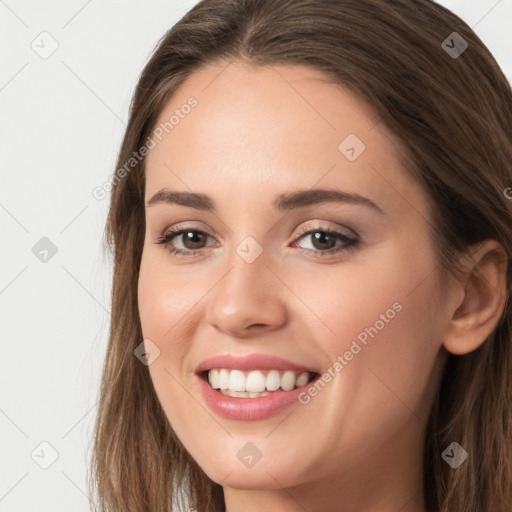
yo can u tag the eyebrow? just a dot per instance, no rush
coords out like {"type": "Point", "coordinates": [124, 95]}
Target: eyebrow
{"type": "Point", "coordinates": [288, 201]}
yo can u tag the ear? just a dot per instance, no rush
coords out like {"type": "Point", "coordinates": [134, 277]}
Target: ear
{"type": "Point", "coordinates": [483, 289]}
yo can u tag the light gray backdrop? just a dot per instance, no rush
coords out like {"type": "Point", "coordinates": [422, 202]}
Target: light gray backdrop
{"type": "Point", "coordinates": [67, 73]}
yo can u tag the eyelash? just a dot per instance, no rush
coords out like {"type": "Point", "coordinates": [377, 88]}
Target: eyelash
{"type": "Point", "coordinates": [350, 242]}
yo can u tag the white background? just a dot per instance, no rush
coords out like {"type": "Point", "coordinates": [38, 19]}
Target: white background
{"type": "Point", "coordinates": [62, 122]}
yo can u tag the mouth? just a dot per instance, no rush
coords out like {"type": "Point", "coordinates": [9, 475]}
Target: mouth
{"type": "Point", "coordinates": [255, 383]}
{"type": "Point", "coordinates": [253, 386]}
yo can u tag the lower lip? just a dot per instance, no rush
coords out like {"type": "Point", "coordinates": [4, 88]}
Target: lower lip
{"type": "Point", "coordinates": [249, 409]}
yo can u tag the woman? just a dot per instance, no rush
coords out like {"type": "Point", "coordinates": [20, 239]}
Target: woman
{"type": "Point", "coordinates": [311, 295]}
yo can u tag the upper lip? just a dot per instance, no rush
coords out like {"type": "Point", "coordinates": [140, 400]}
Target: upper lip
{"type": "Point", "coordinates": [251, 362]}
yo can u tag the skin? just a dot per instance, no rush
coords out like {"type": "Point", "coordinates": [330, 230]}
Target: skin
{"type": "Point", "coordinates": [258, 132]}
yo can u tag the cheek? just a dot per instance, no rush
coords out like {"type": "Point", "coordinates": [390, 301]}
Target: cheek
{"type": "Point", "coordinates": [168, 318]}
{"type": "Point", "coordinates": [383, 329]}
{"type": "Point", "coordinates": [163, 300]}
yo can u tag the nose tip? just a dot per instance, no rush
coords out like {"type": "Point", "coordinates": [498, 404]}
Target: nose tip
{"type": "Point", "coordinates": [245, 302]}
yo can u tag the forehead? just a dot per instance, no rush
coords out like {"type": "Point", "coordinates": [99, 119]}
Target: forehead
{"type": "Point", "coordinates": [264, 130]}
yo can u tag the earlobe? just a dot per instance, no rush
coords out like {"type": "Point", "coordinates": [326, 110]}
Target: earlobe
{"type": "Point", "coordinates": [484, 289]}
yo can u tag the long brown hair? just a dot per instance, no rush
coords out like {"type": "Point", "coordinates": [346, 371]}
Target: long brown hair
{"type": "Point", "coordinates": [453, 114]}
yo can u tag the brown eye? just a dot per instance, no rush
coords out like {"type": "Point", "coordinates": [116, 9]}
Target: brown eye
{"type": "Point", "coordinates": [193, 240]}
{"type": "Point", "coordinates": [324, 241]}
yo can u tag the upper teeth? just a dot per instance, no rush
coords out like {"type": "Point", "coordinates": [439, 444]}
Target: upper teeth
{"type": "Point", "coordinates": [257, 380]}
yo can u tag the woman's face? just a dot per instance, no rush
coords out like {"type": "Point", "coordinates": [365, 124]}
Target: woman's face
{"type": "Point", "coordinates": [354, 299]}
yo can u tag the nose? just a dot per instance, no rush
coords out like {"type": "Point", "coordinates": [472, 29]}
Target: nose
{"type": "Point", "coordinates": [248, 299]}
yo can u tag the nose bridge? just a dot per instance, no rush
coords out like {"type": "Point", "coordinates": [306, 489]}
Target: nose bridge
{"type": "Point", "coordinates": [248, 279]}
{"type": "Point", "coordinates": [249, 291]}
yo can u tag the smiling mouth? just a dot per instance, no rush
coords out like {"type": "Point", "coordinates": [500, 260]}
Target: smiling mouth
{"type": "Point", "coordinates": [255, 383]}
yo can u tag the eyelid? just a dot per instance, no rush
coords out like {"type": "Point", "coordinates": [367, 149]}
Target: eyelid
{"type": "Point", "coordinates": [316, 225]}
{"type": "Point", "coordinates": [351, 242]}
{"type": "Point", "coordinates": [320, 227]}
